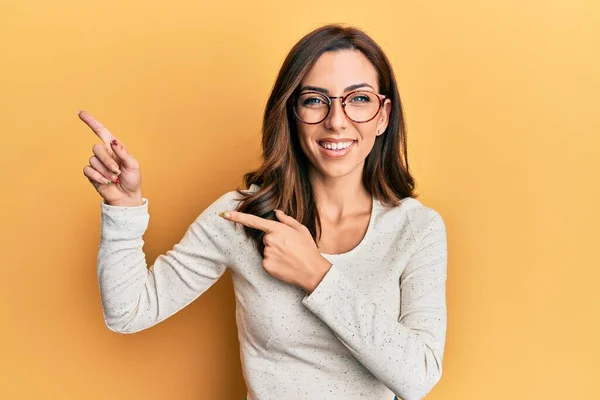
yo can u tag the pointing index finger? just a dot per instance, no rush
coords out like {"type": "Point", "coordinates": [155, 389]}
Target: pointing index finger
{"type": "Point", "coordinates": [99, 129]}
{"type": "Point", "coordinates": [251, 221]}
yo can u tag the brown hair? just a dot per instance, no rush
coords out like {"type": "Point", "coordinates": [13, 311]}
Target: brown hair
{"type": "Point", "coordinates": [283, 176]}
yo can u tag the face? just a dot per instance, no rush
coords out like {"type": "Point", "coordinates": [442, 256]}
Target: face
{"type": "Point", "coordinates": [338, 73]}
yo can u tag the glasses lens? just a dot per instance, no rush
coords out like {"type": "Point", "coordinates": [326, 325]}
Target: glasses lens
{"type": "Point", "coordinates": [312, 107]}
{"type": "Point", "coordinates": [362, 106]}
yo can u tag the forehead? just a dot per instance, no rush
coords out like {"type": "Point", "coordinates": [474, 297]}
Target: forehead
{"type": "Point", "coordinates": [338, 70]}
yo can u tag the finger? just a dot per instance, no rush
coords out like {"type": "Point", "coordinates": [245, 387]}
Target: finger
{"type": "Point", "coordinates": [95, 176]}
{"type": "Point", "coordinates": [286, 219]}
{"type": "Point", "coordinates": [251, 221]}
{"type": "Point", "coordinates": [101, 152]}
{"type": "Point", "coordinates": [123, 154]}
{"type": "Point", "coordinates": [99, 129]}
{"type": "Point", "coordinates": [267, 237]}
{"type": "Point", "coordinates": [100, 167]}
{"type": "Point", "coordinates": [94, 183]}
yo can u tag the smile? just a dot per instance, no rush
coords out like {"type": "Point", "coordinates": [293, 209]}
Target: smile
{"type": "Point", "coordinates": [336, 150]}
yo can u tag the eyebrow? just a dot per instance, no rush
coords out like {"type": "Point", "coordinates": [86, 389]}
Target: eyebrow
{"type": "Point", "coordinates": [325, 91]}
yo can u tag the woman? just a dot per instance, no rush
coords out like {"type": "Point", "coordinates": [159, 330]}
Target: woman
{"type": "Point", "coordinates": [340, 292]}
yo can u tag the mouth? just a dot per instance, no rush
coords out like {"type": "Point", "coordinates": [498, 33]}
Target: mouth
{"type": "Point", "coordinates": [336, 150]}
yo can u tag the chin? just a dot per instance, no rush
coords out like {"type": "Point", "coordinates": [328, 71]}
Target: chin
{"type": "Point", "coordinates": [336, 171]}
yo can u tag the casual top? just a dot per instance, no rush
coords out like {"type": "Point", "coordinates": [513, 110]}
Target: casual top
{"type": "Point", "coordinates": [375, 325]}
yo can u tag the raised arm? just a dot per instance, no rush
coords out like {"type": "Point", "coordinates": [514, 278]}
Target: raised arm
{"type": "Point", "coordinates": [135, 297]}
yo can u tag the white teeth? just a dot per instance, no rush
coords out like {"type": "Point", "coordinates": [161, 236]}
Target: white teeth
{"type": "Point", "coordinates": [335, 146]}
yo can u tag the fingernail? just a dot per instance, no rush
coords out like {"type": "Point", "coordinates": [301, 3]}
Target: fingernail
{"type": "Point", "coordinates": [224, 214]}
{"type": "Point", "coordinates": [114, 178]}
{"type": "Point", "coordinates": [114, 169]}
{"type": "Point", "coordinates": [117, 180]}
{"type": "Point", "coordinates": [108, 182]}
{"type": "Point", "coordinates": [114, 142]}
{"type": "Point", "coordinates": [78, 112]}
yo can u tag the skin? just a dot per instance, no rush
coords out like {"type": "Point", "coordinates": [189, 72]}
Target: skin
{"type": "Point", "coordinates": [112, 170]}
{"type": "Point", "coordinates": [334, 180]}
{"type": "Point", "coordinates": [291, 254]}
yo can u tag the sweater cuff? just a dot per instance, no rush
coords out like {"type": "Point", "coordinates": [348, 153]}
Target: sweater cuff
{"type": "Point", "coordinates": [107, 208]}
{"type": "Point", "coordinates": [124, 222]}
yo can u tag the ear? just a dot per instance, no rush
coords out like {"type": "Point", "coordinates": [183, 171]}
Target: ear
{"type": "Point", "coordinates": [384, 117]}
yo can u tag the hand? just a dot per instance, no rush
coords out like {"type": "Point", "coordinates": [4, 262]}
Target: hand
{"type": "Point", "coordinates": [291, 255]}
{"type": "Point", "coordinates": [112, 170]}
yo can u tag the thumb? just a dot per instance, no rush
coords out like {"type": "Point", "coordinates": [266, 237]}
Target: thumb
{"type": "Point", "coordinates": [121, 152]}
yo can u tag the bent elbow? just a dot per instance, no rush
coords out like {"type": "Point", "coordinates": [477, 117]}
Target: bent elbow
{"type": "Point", "coordinates": [432, 375]}
{"type": "Point", "coordinates": [418, 392]}
{"type": "Point", "coordinates": [125, 323]}
{"type": "Point", "coordinates": [122, 328]}
{"type": "Point", "coordinates": [422, 384]}
{"type": "Point", "coordinates": [430, 383]}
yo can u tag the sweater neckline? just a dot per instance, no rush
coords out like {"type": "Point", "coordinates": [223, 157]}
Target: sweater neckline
{"type": "Point", "coordinates": [375, 204]}
{"type": "Point", "coordinates": [363, 242]}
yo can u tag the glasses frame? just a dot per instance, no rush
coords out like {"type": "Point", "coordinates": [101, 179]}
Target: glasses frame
{"type": "Point", "coordinates": [380, 97]}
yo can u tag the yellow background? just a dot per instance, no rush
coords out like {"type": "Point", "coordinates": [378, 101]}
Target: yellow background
{"type": "Point", "coordinates": [502, 101]}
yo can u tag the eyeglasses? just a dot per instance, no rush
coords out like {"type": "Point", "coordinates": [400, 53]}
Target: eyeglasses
{"type": "Point", "coordinates": [359, 106]}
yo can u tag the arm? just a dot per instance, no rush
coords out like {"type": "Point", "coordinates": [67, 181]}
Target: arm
{"type": "Point", "coordinates": [404, 352]}
{"type": "Point", "coordinates": [135, 297]}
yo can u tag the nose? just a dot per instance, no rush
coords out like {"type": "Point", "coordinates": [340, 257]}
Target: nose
{"type": "Point", "coordinates": [337, 118]}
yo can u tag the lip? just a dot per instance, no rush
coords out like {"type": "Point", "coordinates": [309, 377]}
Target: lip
{"type": "Point", "coordinates": [335, 154]}
{"type": "Point", "coordinates": [335, 140]}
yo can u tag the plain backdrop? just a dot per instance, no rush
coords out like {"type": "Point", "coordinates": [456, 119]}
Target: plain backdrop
{"type": "Point", "coordinates": [501, 100]}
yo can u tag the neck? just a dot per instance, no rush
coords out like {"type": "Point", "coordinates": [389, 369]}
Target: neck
{"type": "Point", "coordinates": [340, 197]}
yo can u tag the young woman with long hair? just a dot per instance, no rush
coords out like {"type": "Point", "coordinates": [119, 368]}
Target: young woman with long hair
{"type": "Point", "coordinates": [339, 271]}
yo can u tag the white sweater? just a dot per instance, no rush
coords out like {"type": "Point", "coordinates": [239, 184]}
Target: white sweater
{"type": "Point", "coordinates": [375, 325]}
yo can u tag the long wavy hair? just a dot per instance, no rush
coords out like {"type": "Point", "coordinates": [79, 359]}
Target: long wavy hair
{"type": "Point", "coordinates": [283, 177]}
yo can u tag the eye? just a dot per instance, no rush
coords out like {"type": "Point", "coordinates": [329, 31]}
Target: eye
{"type": "Point", "coordinates": [360, 98]}
{"type": "Point", "coordinates": [312, 100]}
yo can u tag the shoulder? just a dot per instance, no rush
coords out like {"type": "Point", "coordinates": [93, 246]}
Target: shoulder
{"type": "Point", "coordinates": [420, 219]}
{"type": "Point", "coordinates": [228, 201]}
{"type": "Point", "coordinates": [210, 224]}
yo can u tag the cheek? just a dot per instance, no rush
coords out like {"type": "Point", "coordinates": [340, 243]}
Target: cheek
{"type": "Point", "coordinates": [368, 133]}
{"type": "Point", "coordinates": [367, 140]}
{"type": "Point", "coordinates": [305, 137]}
